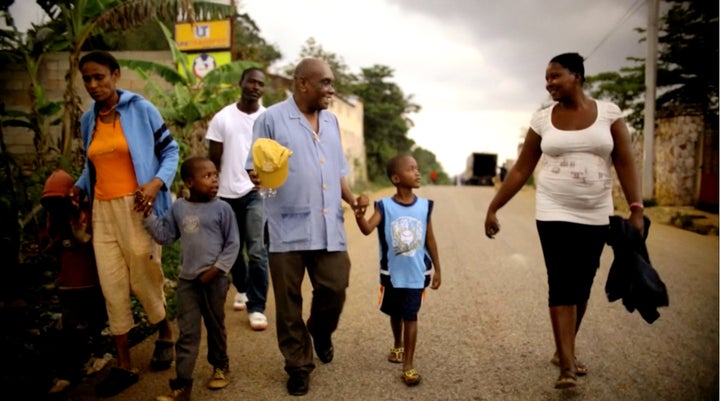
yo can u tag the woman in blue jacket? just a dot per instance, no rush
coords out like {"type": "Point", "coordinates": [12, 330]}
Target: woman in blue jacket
{"type": "Point", "coordinates": [131, 160]}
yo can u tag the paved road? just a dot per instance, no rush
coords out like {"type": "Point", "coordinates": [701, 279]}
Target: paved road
{"type": "Point", "coordinates": [485, 334]}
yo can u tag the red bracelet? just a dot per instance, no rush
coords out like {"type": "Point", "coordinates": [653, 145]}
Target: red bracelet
{"type": "Point", "coordinates": [637, 204]}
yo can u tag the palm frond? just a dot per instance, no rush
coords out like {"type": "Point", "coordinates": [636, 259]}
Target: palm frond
{"type": "Point", "coordinates": [178, 56]}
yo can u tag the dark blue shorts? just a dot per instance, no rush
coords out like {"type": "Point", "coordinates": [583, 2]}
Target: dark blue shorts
{"type": "Point", "coordinates": [400, 302]}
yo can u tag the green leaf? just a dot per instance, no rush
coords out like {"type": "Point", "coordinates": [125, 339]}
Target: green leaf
{"type": "Point", "coordinates": [178, 56]}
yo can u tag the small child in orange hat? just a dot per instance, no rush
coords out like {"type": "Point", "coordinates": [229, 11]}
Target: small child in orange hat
{"type": "Point", "coordinates": [81, 300]}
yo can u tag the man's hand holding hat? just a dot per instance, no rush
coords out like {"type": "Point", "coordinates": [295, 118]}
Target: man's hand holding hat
{"type": "Point", "coordinates": [270, 160]}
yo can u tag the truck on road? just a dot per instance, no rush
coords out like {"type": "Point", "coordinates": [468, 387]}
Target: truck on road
{"type": "Point", "coordinates": [481, 169]}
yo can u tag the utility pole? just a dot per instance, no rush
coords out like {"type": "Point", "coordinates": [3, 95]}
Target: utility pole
{"type": "Point", "coordinates": [648, 181]}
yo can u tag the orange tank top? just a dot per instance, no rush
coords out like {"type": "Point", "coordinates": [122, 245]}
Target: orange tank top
{"type": "Point", "coordinates": [110, 154]}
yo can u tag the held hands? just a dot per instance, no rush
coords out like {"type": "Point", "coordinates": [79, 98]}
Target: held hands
{"type": "Point", "coordinates": [492, 225]}
{"type": "Point", "coordinates": [360, 206]}
{"type": "Point", "coordinates": [145, 196]}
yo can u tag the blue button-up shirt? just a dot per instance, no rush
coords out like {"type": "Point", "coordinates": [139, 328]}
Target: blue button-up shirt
{"type": "Point", "coordinates": [306, 213]}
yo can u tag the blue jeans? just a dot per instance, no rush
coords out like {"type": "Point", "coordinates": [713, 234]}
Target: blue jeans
{"type": "Point", "coordinates": [251, 276]}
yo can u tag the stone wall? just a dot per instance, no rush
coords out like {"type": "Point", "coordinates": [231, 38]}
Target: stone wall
{"type": "Point", "coordinates": [678, 159]}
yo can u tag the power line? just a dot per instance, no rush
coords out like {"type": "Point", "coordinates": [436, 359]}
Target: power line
{"type": "Point", "coordinates": [629, 13]}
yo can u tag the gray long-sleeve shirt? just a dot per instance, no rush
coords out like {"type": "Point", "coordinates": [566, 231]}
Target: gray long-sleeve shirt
{"type": "Point", "coordinates": [209, 235]}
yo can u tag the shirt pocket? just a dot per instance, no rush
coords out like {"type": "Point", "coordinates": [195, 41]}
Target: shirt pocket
{"type": "Point", "coordinates": [295, 224]}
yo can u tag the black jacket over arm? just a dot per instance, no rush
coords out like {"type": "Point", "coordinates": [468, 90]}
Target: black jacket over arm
{"type": "Point", "coordinates": [631, 275]}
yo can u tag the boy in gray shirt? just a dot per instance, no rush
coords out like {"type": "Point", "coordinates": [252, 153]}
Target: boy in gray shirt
{"type": "Point", "coordinates": [210, 244]}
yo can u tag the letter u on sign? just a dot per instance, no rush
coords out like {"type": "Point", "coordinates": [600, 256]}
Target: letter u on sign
{"type": "Point", "coordinates": [202, 31]}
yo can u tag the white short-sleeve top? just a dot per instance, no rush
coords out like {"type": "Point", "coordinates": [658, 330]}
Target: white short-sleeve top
{"type": "Point", "coordinates": [574, 182]}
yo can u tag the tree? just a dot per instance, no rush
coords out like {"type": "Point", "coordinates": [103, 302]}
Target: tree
{"type": "Point", "coordinates": [386, 122]}
{"type": "Point", "coordinates": [626, 88]}
{"type": "Point", "coordinates": [686, 82]}
{"type": "Point", "coordinates": [427, 163]}
{"type": "Point", "coordinates": [690, 81]}
{"type": "Point", "coordinates": [345, 80]}
{"type": "Point", "coordinates": [249, 45]}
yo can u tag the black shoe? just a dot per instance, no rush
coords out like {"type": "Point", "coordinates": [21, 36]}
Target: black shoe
{"type": "Point", "coordinates": [298, 383]}
{"type": "Point", "coordinates": [117, 381]}
{"type": "Point", "coordinates": [324, 349]}
{"type": "Point", "coordinates": [163, 355]}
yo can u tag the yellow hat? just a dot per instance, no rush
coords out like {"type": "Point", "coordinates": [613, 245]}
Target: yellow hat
{"type": "Point", "coordinates": [270, 160]}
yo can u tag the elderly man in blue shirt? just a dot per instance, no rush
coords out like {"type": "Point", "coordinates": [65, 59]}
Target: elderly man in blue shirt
{"type": "Point", "coordinates": [305, 220]}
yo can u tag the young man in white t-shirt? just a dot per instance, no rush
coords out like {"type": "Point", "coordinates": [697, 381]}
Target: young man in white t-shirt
{"type": "Point", "coordinates": [230, 138]}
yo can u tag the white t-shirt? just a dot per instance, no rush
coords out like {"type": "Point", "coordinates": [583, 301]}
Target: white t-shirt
{"type": "Point", "coordinates": [233, 128]}
{"type": "Point", "coordinates": [574, 182]}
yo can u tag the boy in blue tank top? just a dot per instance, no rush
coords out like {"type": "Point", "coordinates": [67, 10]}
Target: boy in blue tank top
{"type": "Point", "coordinates": [408, 253]}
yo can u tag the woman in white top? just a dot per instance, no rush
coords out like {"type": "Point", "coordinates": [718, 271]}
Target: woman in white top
{"type": "Point", "coordinates": [581, 139]}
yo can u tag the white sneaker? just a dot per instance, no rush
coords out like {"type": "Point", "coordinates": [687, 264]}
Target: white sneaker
{"type": "Point", "coordinates": [240, 301]}
{"type": "Point", "coordinates": [258, 321]}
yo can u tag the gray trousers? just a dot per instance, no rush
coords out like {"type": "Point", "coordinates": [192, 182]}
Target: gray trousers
{"type": "Point", "coordinates": [197, 302]}
{"type": "Point", "coordinates": [329, 274]}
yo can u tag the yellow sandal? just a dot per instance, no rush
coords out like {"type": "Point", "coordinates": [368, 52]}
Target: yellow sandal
{"type": "Point", "coordinates": [397, 355]}
{"type": "Point", "coordinates": [567, 379]}
{"type": "Point", "coordinates": [411, 377]}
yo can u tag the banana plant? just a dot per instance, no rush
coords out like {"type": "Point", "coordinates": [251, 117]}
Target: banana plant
{"type": "Point", "coordinates": [192, 101]}
{"type": "Point", "coordinates": [28, 50]}
{"type": "Point", "coordinates": [76, 21]}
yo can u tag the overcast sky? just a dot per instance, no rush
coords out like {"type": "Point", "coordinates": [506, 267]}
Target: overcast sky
{"type": "Point", "coordinates": [476, 67]}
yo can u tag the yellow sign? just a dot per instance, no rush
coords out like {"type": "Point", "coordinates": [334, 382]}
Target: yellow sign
{"type": "Point", "coordinates": [203, 35]}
